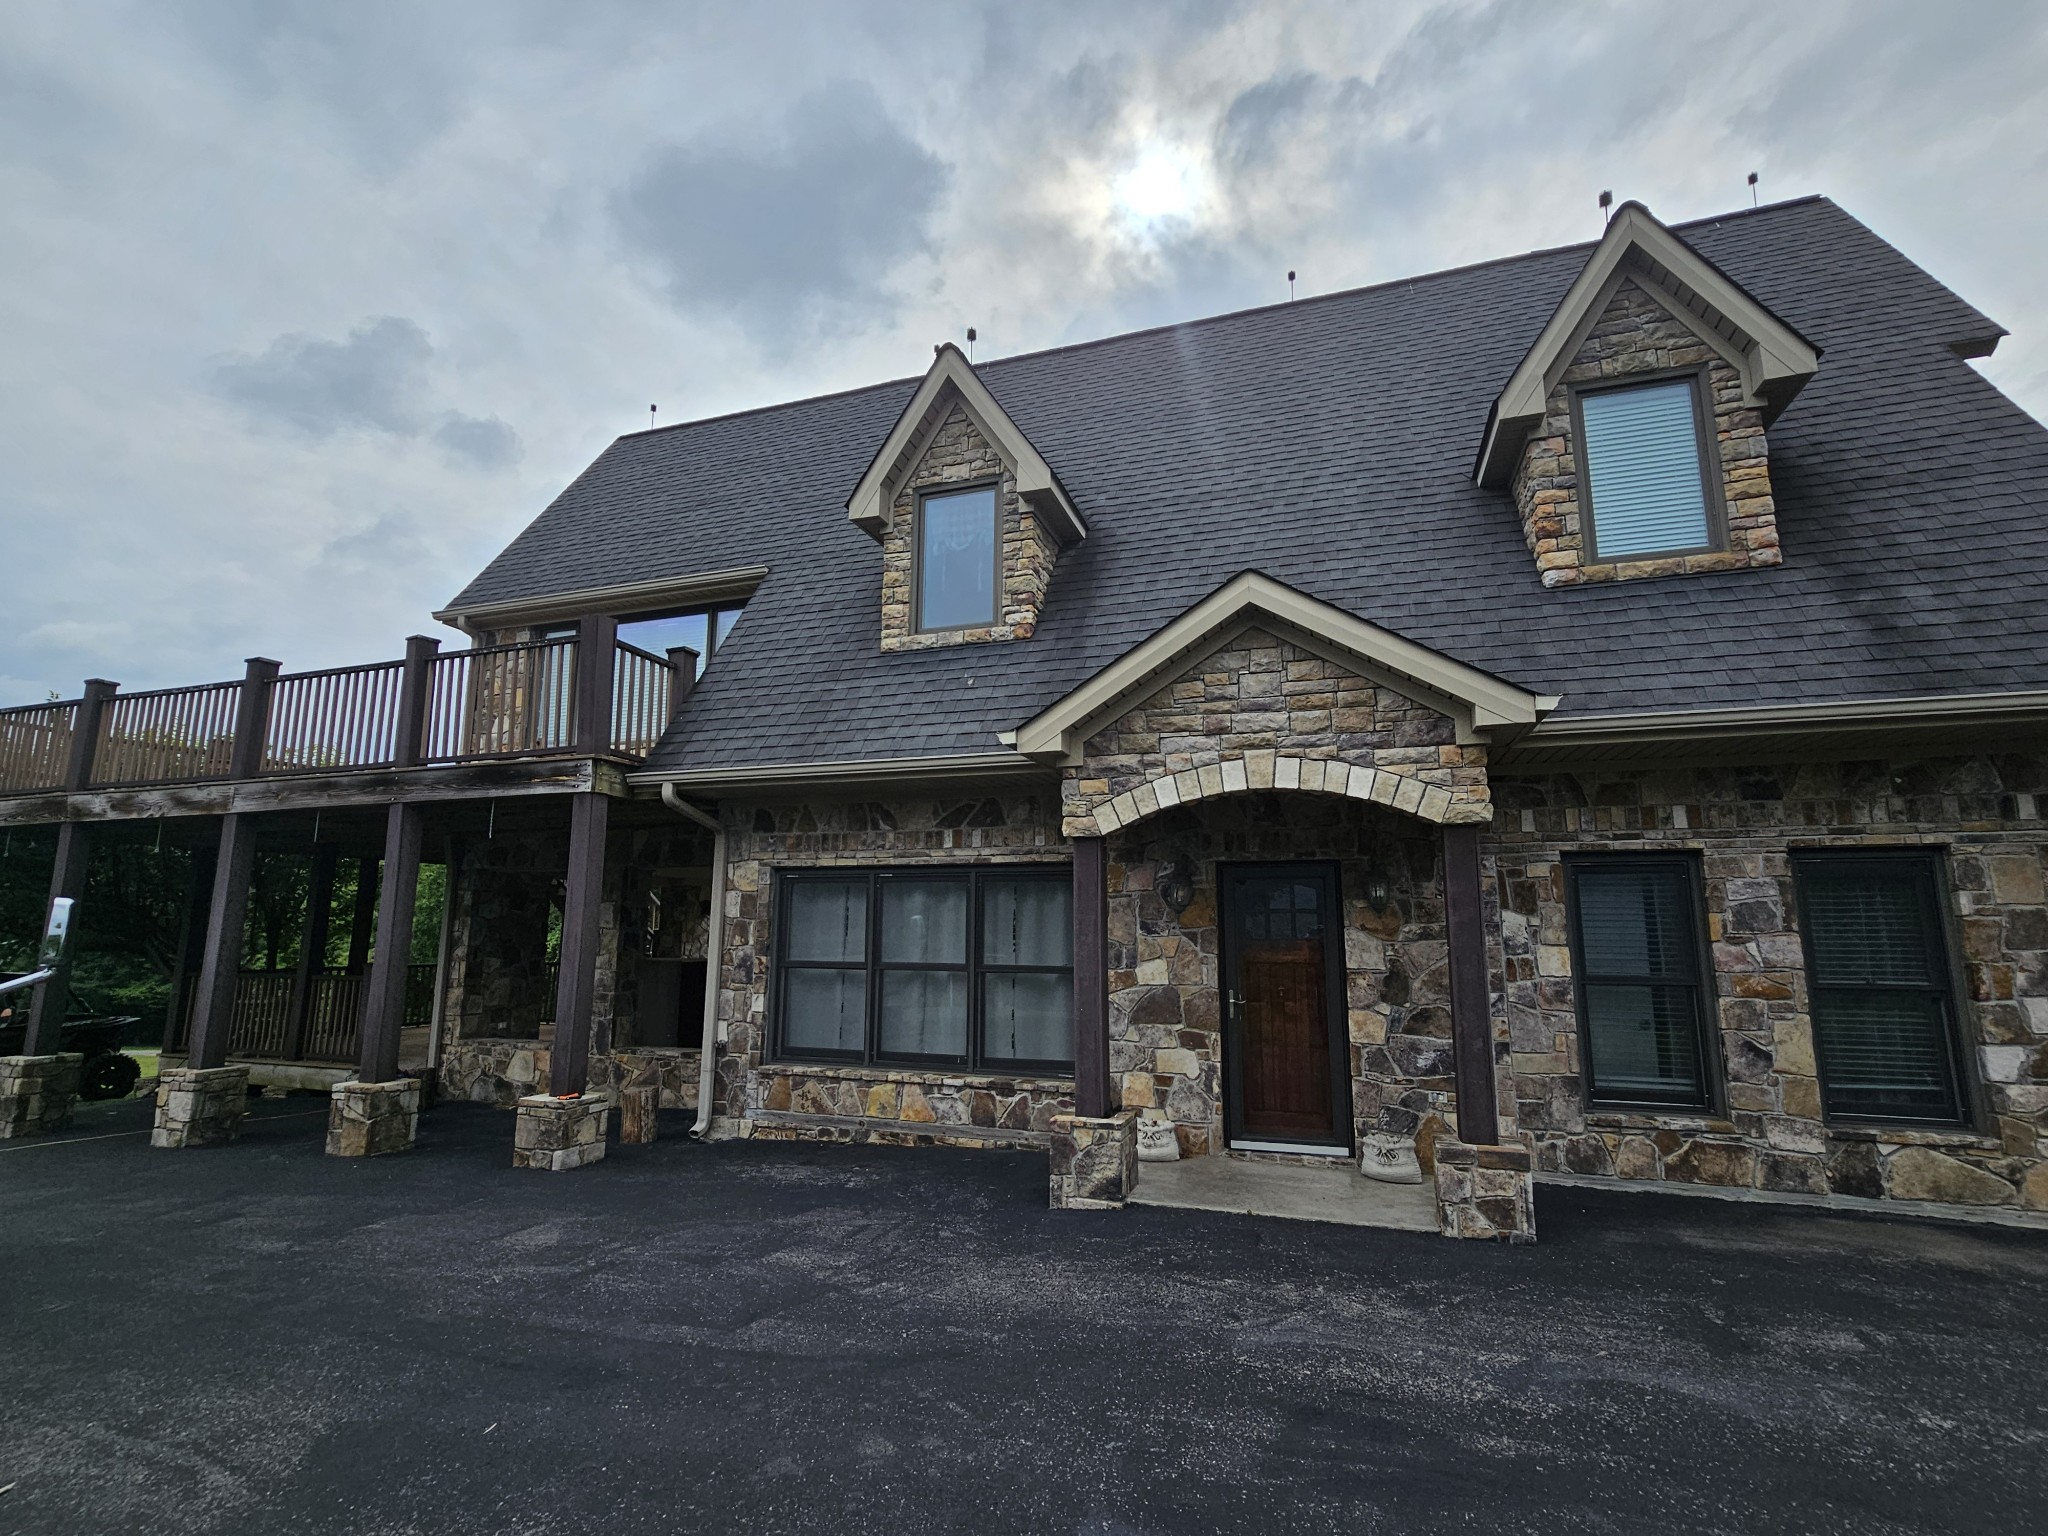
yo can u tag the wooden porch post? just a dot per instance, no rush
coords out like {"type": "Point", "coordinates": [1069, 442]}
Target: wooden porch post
{"type": "Point", "coordinates": [213, 1009]}
{"type": "Point", "coordinates": [384, 1004]}
{"type": "Point", "coordinates": [67, 875]}
{"type": "Point", "coordinates": [312, 949]}
{"type": "Point", "coordinates": [597, 638]}
{"type": "Point", "coordinates": [361, 924]}
{"type": "Point", "coordinates": [1092, 1097]}
{"type": "Point", "coordinates": [191, 946]}
{"type": "Point", "coordinates": [576, 988]}
{"type": "Point", "coordinates": [682, 677]}
{"type": "Point", "coordinates": [1471, 1016]}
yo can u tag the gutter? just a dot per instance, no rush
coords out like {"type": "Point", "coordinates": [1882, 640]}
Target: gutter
{"type": "Point", "coordinates": [1851, 714]}
{"type": "Point", "coordinates": [714, 951]}
{"type": "Point", "coordinates": [756, 776]}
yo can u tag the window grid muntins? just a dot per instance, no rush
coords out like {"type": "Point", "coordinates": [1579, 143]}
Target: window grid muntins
{"type": "Point", "coordinates": [956, 969]}
{"type": "Point", "coordinates": [1646, 486]}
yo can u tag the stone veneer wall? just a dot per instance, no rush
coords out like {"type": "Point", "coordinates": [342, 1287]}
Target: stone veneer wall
{"type": "Point", "coordinates": [1263, 713]}
{"type": "Point", "coordinates": [1165, 1005]}
{"type": "Point", "coordinates": [839, 1103]}
{"type": "Point", "coordinates": [1638, 334]}
{"type": "Point", "coordinates": [958, 453]}
{"type": "Point", "coordinates": [1985, 811]}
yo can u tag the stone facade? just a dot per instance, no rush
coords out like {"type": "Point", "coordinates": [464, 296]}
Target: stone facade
{"type": "Point", "coordinates": [1092, 1164]}
{"type": "Point", "coordinates": [371, 1119]}
{"type": "Point", "coordinates": [897, 1105]}
{"type": "Point", "coordinates": [200, 1106]}
{"type": "Point", "coordinates": [1262, 713]}
{"type": "Point", "coordinates": [37, 1093]}
{"type": "Point", "coordinates": [1165, 1006]}
{"type": "Point", "coordinates": [955, 830]}
{"type": "Point", "coordinates": [1984, 812]}
{"type": "Point", "coordinates": [959, 455]}
{"type": "Point", "coordinates": [1637, 333]}
{"type": "Point", "coordinates": [1485, 1192]}
{"type": "Point", "coordinates": [554, 1135]}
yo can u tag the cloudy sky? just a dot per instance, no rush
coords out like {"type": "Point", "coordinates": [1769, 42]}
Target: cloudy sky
{"type": "Point", "coordinates": [308, 307]}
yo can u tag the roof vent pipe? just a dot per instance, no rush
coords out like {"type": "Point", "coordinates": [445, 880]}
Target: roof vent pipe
{"type": "Point", "coordinates": [714, 950]}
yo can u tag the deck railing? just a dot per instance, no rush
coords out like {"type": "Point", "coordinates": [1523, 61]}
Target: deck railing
{"type": "Point", "coordinates": [261, 1022]}
{"type": "Point", "coordinates": [35, 745]}
{"type": "Point", "coordinates": [490, 702]}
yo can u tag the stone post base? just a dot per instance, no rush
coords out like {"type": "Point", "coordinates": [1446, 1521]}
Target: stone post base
{"type": "Point", "coordinates": [200, 1106]}
{"type": "Point", "coordinates": [555, 1134]}
{"type": "Point", "coordinates": [637, 1108]}
{"type": "Point", "coordinates": [370, 1119]}
{"type": "Point", "coordinates": [1093, 1163]}
{"type": "Point", "coordinates": [1485, 1192]}
{"type": "Point", "coordinates": [36, 1093]}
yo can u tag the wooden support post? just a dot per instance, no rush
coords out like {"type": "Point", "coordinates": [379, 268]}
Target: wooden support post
{"type": "Point", "coordinates": [312, 950]}
{"type": "Point", "coordinates": [576, 988]}
{"type": "Point", "coordinates": [252, 717]}
{"type": "Point", "coordinates": [1471, 1013]}
{"type": "Point", "coordinates": [67, 879]}
{"type": "Point", "coordinates": [1092, 1096]}
{"type": "Point", "coordinates": [85, 732]}
{"type": "Point", "coordinates": [682, 677]}
{"type": "Point", "coordinates": [597, 639]}
{"type": "Point", "coordinates": [227, 915]}
{"type": "Point", "coordinates": [420, 651]}
{"type": "Point", "coordinates": [191, 946]}
{"type": "Point", "coordinates": [361, 923]}
{"type": "Point", "coordinates": [384, 1002]}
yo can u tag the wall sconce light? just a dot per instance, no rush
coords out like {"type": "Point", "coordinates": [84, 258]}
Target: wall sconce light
{"type": "Point", "coordinates": [1176, 886]}
{"type": "Point", "coordinates": [1379, 890]}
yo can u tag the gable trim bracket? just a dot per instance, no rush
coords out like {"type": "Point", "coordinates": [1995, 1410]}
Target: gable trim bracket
{"type": "Point", "coordinates": [1774, 360]}
{"type": "Point", "coordinates": [952, 378]}
{"type": "Point", "coordinates": [1485, 707]}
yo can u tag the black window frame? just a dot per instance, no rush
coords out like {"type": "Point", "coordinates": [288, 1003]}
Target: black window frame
{"type": "Point", "coordinates": [1705, 440]}
{"type": "Point", "coordinates": [1711, 1098]}
{"type": "Point", "coordinates": [1950, 987]}
{"type": "Point", "coordinates": [992, 483]}
{"type": "Point", "coordinates": [974, 877]}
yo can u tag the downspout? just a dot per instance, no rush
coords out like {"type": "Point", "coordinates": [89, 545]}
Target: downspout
{"type": "Point", "coordinates": [714, 953]}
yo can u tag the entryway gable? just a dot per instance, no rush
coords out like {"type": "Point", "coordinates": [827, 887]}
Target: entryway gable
{"type": "Point", "coordinates": [1264, 709]}
{"type": "Point", "coordinates": [1480, 706]}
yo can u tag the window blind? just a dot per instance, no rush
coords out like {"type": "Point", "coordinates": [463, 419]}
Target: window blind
{"type": "Point", "coordinates": [1882, 1008]}
{"type": "Point", "coordinates": [1643, 470]}
{"type": "Point", "coordinates": [1640, 1002]}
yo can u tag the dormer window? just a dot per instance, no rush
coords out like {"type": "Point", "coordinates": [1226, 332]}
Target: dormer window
{"type": "Point", "coordinates": [956, 558]}
{"type": "Point", "coordinates": [1649, 483]}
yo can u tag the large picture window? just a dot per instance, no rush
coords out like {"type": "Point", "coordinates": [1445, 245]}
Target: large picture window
{"type": "Point", "coordinates": [1881, 983]}
{"type": "Point", "coordinates": [1646, 469]}
{"type": "Point", "coordinates": [956, 558]}
{"type": "Point", "coordinates": [966, 968]}
{"type": "Point", "coordinates": [1643, 983]}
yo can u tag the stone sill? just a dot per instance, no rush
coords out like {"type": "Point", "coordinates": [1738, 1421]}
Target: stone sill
{"type": "Point", "coordinates": [944, 1132]}
{"type": "Point", "coordinates": [1646, 1120]}
{"type": "Point", "coordinates": [1905, 1136]}
{"type": "Point", "coordinates": [655, 1050]}
{"type": "Point", "coordinates": [855, 1072]}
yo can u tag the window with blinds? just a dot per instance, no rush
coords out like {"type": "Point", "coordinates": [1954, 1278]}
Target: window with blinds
{"type": "Point", "coordinates": [1880, 981]}
{"type": "Point", "coordinates": [1643, 987]}
{"type": "Point", "coordinates": [1646, 488]}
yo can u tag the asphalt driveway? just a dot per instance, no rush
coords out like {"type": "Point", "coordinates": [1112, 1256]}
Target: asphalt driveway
{"type": "Point", "coordinates": [780, 1338]}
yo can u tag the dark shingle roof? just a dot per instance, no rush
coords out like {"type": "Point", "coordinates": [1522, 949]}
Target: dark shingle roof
{"type": "Point", "coordinates": [1329, 443]}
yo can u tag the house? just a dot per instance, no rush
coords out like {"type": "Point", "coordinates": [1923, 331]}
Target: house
{"type": "Point", "coordinates": [1583, 714]}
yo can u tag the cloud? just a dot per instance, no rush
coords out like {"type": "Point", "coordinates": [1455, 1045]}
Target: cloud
{"type": "Point", "coordinates": [378, 380]}
{"type": "Point", "coordinates": [813, 224]}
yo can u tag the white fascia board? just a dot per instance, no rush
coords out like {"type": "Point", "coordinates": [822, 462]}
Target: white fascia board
{"type": "Point", "coordinates": [1775, 356]}
{"type": "Point", "coordinates": [1492, 704]}
{"type": "Point", "coordinates": [871, 507]}
{"type": "Point", "coordinates": [1847, 714]}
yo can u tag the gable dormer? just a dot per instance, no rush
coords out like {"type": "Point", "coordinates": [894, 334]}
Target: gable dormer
{"type": "Point", "coordinates": [1633, 433]}
{"type": "Point", "coordinates": [969, 515]}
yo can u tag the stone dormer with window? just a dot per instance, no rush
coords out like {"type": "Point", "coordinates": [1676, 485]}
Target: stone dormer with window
{"type": "Point", "coordinates": [970, 518]}
{"type": "Point", "coordinates": [1632, 435]}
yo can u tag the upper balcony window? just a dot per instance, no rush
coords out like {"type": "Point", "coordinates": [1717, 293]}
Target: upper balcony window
{"type": "Point", "coordinates": [703, 632]}
{"type": "Point", "coordinates": [956, 558]}
{"type": "Point", "coordinates": [1650, 492]}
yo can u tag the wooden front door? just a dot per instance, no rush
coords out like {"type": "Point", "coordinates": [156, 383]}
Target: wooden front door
{"type": "Point", "coordinates": [1285, 1061]}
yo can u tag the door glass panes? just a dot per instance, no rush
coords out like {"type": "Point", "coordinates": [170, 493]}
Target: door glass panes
{"type": "Point", "coordinates": [1883, 1009]}
{"type": "Point", "coordinates": [956, 559]}
{"type": "Point", "coordinates": [1641, 998]}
